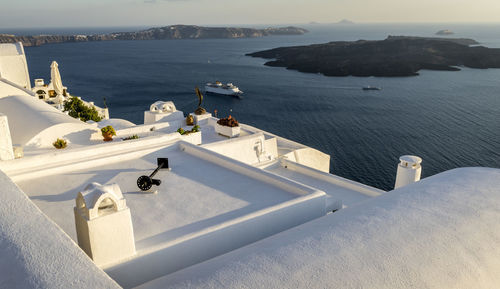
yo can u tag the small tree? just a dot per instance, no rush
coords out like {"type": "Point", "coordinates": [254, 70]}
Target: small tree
{"type": "Point", "coordinates": [77, 109]}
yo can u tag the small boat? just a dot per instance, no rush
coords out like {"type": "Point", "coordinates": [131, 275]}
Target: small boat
{"type": "Point", "coordinates": [219, 88]}
{"type": "Point", "coordinates": [368, 87]}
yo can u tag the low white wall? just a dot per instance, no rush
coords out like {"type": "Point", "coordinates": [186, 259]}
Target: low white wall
{"type": "Point", "coordinates": [333, 179]}
{"type": "Point", "coordinates": [32, 121]}
{"type": "Point", "coordinates": [313, 158]}
{"type": "Point", "coordinates": [141, 130]}
{"type": "Point", "coordinates": [244, 148]}
{"type": "Point", "coordinates": [82, 158]}
{"type": "Point", "coordinates": [10, 88]}
{"type": "Point", "coordinates": [282, 142]}
{"type": "Point", "coordinates": [298, 152]}
{"type": "Point", "coordinates": [35, 252]}
{"type": "Point", "coordinates": [218, 240]}
{"type": "Point", "coordinates": [247, 170]}
{"type": "Point", "coordinates": [72, 132]}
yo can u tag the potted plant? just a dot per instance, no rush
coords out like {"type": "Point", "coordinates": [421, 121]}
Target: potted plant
{"type": "Point", "coordinates": [200, 110]}
{"type": "Point", "coordinates": [190, 120]}
{"type": "Point", "coordinates": [228, 126]}
{"type": "Point", "coordinates": [60, 143]}
{"type": "Point", "coordinates": [108, 132]}
{"type": "Point", "coordinates": [195, 128]}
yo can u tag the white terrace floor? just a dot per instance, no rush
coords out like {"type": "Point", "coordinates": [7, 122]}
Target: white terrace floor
{"type": "Point", "coordinates": [195, 194]}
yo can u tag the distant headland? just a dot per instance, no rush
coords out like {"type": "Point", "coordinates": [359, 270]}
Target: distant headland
{"type": "Point", "coordinates": [445, 32]}
{"type": "Point", "coordinates": [167, 32]}
{"type": "Point", "coordinates": [394, 56]}
{"type": "Point", "coordinates": [345, 22]}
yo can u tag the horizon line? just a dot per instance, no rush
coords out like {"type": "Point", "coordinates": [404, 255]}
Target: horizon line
{"type": "Point", "coordinates": [262, 24]}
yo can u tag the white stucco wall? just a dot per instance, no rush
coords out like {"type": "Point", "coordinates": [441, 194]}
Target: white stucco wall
{"type": "Point", "coordinates": [35, 252]}
{"type": "Point", "coordinates": [13, 66]}
{"type": "Point", "coordinates": [152, 117]}
{"type": "Point", "coordinates": [6, 151]}
{"type": "Point", "coordinates": [250, 149]}
{"type": "Point", "coordinates": [441, 232]}
{"type": "Point", "coordinates": [296, 152]}
{"type": "Point", "coordinates": [9, 88]}
{"type": "Point", "coordinates": [39, 124]}
{"type": "Point", "coordinates": [313, 158]}
{"type": "Point", "coordinates": [84, 157]}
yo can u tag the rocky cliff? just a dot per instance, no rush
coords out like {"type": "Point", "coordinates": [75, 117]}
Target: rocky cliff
{"type": "Point", "coordinates": [167, 32]}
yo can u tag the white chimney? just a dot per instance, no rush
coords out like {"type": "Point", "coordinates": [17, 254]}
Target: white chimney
{"type": "Point", "coordinates": [103, 224]}
{"type": "Point", "coordinates": [409, 170]}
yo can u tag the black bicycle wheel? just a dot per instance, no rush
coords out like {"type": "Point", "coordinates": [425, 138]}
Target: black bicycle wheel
{"type": "Point", "coordinates": [144, 183]}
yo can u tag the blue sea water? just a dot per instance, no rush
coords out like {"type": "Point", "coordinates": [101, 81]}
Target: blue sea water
{"type": "Point", "coordinates": [450, 119]}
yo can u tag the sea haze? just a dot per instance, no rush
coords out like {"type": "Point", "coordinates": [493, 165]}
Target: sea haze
{"type": "Point", "coordinates": [450, 119]}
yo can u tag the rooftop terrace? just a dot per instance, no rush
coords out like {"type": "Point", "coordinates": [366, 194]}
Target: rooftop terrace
{"type": "Point", "coordinates": [205, 196]}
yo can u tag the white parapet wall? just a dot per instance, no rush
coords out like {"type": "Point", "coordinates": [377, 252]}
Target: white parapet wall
{"type": "Point", "coordinates": [251, 149]}
{"type": "Point", "coordinates": [40, 124]}
{"type": "Point", "coordinates": [296, 152]}
{"type": "Point", "coordinates": [6, 151]}
{"type": "Point", "coordinates": [140, 130]}
{"type": "Point", "coordinates": [35, 252]}
{"type": "Point", "coordinates": [333, 179]}
{"type": "Point", "coordinates": [83, 158]}
{"type": "Point", "coordinates": [245, 169]}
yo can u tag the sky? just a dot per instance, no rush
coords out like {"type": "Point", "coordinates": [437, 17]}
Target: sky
{"type": "Point", "coordinates": [99, 13]}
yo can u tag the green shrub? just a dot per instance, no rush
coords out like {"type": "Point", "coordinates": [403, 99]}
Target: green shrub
{"type": "Point", "coordinates": [131, 137]}
{"type": "Point", "coordinates": [77, 109]}
{"type": "Point", "coordinates": [195, 128]}
{"type": "Point", "coordinates": [60, 143]}
{"type": "Point", "coordinates": [108, 129]}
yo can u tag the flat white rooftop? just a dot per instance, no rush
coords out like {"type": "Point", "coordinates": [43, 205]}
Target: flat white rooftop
{"type": "Point", "coordinates": [204, 194]}
{"type": "Point", "coordinates": [194, 194]}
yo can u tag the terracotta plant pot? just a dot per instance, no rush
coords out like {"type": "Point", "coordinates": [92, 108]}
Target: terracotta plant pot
{"type": "Point", "coordinates": [190, 120]}
{"type": "Point", "coordinates": [107, 136]}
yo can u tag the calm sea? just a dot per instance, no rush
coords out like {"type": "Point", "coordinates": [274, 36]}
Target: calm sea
{"type": "Point", "coordinates": [450, 119]}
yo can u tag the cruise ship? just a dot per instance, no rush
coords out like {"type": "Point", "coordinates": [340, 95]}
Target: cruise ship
{"type": "Point", "coordinates": [225, 89]}
{"type": "Point", "coordinates": [182, 201]}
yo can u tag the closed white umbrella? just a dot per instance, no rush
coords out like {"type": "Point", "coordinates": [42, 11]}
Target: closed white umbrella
{"type": "Point", "coordinates": [56, 78]}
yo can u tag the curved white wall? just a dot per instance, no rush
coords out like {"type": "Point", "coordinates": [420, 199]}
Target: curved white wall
{"type": "Point", "coordinates": [39, 124]}
{"type": "Point", "coordinates": [35, 252]}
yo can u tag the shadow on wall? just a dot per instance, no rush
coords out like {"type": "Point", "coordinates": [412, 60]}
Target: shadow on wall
{"type": "Point", "coordinates": [80, 137]}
